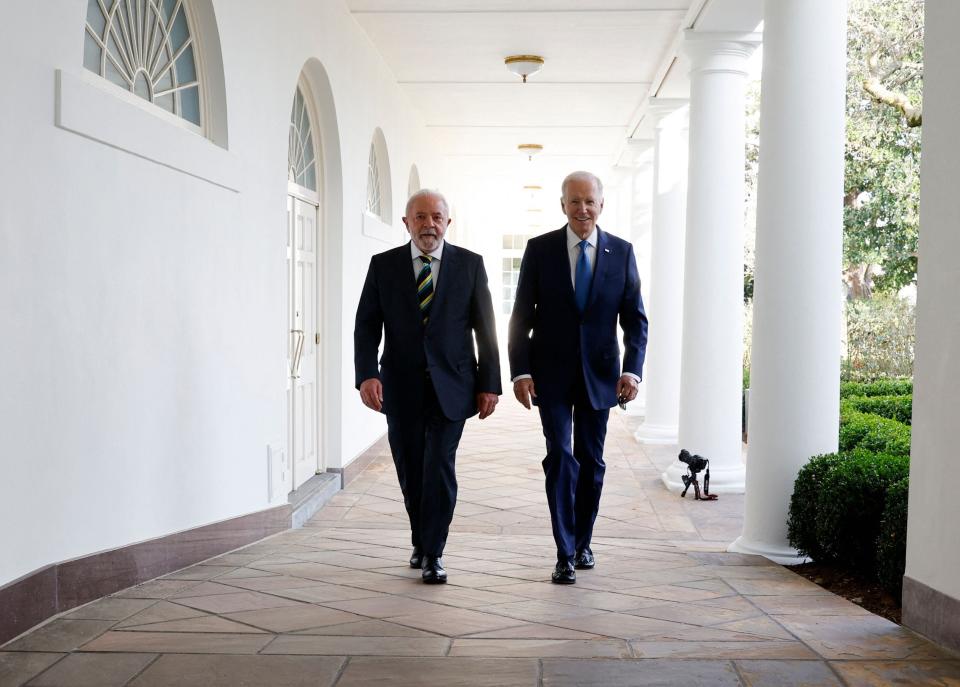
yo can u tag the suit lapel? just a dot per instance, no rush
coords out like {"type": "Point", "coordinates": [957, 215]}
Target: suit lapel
{"type": "Point", "coordinates": [563, 268]}
{"type": "Point", "coordinates": [599, 266]}
{"type": "Point", "coordinates": [405, 276]}
{"type": "Point", "coordinates": [449, 266]}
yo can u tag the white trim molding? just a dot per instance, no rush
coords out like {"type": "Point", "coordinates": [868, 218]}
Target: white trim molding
{"type": "Point", "coordinates": [88, 105]}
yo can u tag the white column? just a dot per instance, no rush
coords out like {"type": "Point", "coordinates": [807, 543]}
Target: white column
{"type": "Point", "coordinates": [640, 200]}
{"type": "Point", "coordinates": [711, 359]}
{"type": "Point", "coordinates": [795, 366]}
{"type": "Point", "coordinates": [665, 305]}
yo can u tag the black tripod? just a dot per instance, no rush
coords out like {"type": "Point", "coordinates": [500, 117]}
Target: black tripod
{"type": "Point", "coordinates": [691, 478]}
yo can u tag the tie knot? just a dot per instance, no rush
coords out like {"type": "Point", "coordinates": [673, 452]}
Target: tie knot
{"type": "Point", "coordinates": [426, 259]}
{"type": "Point", "coordinates": [583, 245]}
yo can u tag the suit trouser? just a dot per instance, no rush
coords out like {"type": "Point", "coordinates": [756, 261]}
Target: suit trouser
{"type": "Point", "coordinates": [424, 448]}
{"type": "Point", "coordinates": [574, 474]}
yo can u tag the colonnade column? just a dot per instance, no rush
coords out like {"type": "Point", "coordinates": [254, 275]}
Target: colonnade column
{"type": "Point", "coordinates": [712, 350]}
{"type": "Point", "coordinates": [795, 367]}
{"type": "Point", "coordinates": [665, 305]}
{"type": "Point", "coordinates": [640, 201]}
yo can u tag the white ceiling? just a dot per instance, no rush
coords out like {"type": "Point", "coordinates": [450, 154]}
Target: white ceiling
{"type": "Point", "coordinates": [603, 59]}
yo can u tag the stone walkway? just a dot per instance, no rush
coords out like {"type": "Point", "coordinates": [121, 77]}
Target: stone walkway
{"type": "Point", "coordinates": [335, 604]}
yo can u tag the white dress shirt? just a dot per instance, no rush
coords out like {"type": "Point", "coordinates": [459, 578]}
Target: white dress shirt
{"type": "Point", "coordinates": [573, 252]}
{"type": "Point", "coordinates": [415, 254]}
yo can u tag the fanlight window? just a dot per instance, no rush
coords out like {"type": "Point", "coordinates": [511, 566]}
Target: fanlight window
{"type": "Point", "coordinates": [146, 47]}
{"type": "Point", "coordinates": [374, 193]}
{"type": "Point", "coordinates": [301, 157]}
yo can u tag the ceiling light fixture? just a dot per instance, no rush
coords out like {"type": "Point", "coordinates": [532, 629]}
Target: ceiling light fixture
{"type": "Point", "coordinates": [524, 65]}
{"type": "Point", "coordinates": [530, 149]}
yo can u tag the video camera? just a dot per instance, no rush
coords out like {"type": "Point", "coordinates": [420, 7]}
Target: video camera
{"type": "Point", "coordinates": [695, 464]}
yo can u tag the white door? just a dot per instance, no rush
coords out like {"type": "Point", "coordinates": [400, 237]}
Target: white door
{"type": "Point", "coordinates": [303, 347]}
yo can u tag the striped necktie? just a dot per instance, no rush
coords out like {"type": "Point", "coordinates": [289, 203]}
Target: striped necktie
{"type": "Point", "coordinates": [425, 287]}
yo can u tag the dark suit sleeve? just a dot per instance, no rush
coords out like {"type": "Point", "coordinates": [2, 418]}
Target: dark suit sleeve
{"type": "Point", "coordinates": [633, 320]}
{"type": "Point", "coordinates": [485, 331]}
{"type": "Point", "coordinates": [521, 319]}
{"type": "Point", "coordinates": [367, 329]}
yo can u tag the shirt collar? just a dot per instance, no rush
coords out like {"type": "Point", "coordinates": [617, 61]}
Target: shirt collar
{"type": "Point", "coordinates": [436, 255]}
{"type": "Point", "coordinates": [573, 239]}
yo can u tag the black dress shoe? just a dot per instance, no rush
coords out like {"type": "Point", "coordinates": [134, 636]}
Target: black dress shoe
{"type": "Point", "coordinates": [433, 572]}
{"type": "Point", "coordinates": [564, 573]}
{"type": "Point", "coordinates": [584, 560]}
{"type": "Point", "coordinates": [416, 558]}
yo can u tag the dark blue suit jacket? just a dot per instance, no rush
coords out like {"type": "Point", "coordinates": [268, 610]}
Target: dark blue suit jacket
{"type": "Point", "coordinates": [461, 309]}
{"type": "Point", "coordinates": [552, 341]}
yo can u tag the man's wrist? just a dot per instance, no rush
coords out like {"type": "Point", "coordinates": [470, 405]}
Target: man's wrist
{"type": "Point", "coordinates": [519, 377]}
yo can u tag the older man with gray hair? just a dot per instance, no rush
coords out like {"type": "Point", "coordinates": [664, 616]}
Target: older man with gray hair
{"type": "Point", "coordinates": [428, 381]}
{"type": "Point", "coordinates": [575, 284]}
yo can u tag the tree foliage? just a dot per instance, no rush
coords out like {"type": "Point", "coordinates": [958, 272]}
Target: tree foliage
{"type": "Point", "coordinates": [882, 180]}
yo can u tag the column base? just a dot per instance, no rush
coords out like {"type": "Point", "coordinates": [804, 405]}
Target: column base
{"type": "Point", "coordinates": [722, 480]}
{"type": "Point", "coordinates": [784, 555]}
{"type": "Point", "coordinates": [648, 433]}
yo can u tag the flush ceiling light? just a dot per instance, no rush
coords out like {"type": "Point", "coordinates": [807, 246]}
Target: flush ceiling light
{"type": "Point", "coordinates": [524, 65]}
{"type": "Point", "coordinates": [533, 187]}
{"type": "Point", "coordinates": [530, 149]}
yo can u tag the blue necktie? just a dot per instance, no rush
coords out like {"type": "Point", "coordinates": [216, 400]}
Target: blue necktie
{"type": "Point", "coordinates": [581, 281]}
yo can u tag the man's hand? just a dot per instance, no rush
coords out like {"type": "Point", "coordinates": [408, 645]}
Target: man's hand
{"type": "Point", "coordinates": [486, 403]}
{"type": "Point", "coordinates": [627, 388]}
{"type": "Point", "coordinates": [523, 390]}
{"type": "Point", "coordinates": [371, 393]}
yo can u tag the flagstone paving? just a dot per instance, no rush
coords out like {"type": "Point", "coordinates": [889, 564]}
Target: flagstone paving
{"type": "Point", "coordinates": [334, 603]}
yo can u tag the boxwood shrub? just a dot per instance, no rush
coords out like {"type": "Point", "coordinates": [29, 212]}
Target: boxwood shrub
{"type": "Point", "coordinates": [850, 505]}
{"type": "Point", "coordinates": [881, 387]}
{"type": "Point", "coordinates": [892, 541]}
{"type": "Point", "coordinates": [872, 432]}
{"type": "Point", "coordinates": [899, 408]}
{"type": "Point", "coordinates": [802, 519]}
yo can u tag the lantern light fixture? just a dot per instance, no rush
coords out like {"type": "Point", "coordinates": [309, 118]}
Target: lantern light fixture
{"type": "Point", "coordinates": [524, 65]}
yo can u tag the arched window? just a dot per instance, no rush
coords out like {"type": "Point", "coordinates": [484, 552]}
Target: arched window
{"type": "Point", "coordinates": [147, 48]}
{"type": "Point", "coordinates": [301, 152]}
{"type": "Point", "coordinates": [379, 194]}
{"type": "Point", "coordinates": [374, 189]}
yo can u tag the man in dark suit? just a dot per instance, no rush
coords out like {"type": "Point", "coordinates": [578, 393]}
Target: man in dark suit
{"type": "Point", "coordinates": [430, 298]}
{"type": "Point", "coordinates": [575, 283]}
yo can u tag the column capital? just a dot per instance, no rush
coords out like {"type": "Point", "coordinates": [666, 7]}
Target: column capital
{"type": "Point", "coordinates": [658, 109]}
{"type": "Point", "coordinates": [719, 51]}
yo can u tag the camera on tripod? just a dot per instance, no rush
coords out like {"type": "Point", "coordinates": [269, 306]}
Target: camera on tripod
{"type": "Point", "coordinates": [696, 464]}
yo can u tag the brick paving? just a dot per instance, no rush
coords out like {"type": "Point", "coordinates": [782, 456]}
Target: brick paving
{"type": "Point", "coordinates": [334, 603]}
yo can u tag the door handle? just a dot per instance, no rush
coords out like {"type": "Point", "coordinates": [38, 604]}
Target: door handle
{"type": "Point", "coordinates": [297, 353]}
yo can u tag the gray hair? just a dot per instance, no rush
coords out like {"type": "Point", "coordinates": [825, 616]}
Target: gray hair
{"type": "Point", "coordinates": [581, 176]}
{"type": "Point", "coordinates": [423, 193]}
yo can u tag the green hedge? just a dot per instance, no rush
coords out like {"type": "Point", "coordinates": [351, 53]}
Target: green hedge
{"type": "Point", "coordinates": [802, 519]}
{"type": "Point", "coordinates": [881, 387]}
{"type": "Point", "coordinates": [892, 540]}
{"type": "Point", "coordinates": [872, 432]}
{"type": "Point", "coordinates": [850, 505]}
{"type": "Point", "coordinates": [899, 408]}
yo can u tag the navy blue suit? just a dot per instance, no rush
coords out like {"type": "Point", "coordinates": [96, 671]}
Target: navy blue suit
{"type": "Point", "coordinates": [574, 360]}
{"type": "Point", "coordinates": [430, 374]}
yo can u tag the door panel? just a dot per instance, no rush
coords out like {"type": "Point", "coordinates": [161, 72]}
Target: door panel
{"type": "Point", "coordinates": [303, 349]}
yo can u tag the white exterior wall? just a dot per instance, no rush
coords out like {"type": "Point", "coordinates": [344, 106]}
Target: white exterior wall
{"type": "Point", "coordinates": [143, 354]}
{"type": "Point", "coordinates": [933, 557]}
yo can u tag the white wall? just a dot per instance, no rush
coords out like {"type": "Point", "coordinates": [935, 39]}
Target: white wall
{"type": "Point", "coordinates": [142, 363]}
{"type": "Point", "coordinates": [933, 557]}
